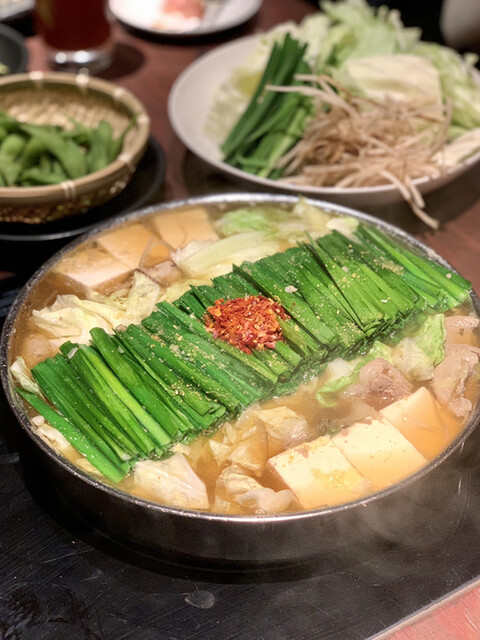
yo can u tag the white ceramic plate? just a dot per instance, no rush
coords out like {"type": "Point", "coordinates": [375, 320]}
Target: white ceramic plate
{"type": "Point", "coordinates": [10, 9]}
{"type": "Point", "coordinates": [189, 104]}
{"type": "Point", "coordinates": [220, 15]}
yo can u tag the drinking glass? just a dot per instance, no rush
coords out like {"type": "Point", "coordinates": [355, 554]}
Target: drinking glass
{"type": "Point", "coordinates": [77, 33]}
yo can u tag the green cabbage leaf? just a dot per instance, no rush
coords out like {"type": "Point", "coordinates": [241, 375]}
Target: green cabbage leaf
{"type": "Point", "coordinates": [415, 356]}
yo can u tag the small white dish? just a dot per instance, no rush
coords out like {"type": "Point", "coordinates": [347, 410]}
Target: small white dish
{"type": "Point", "coordinates": [220, 15]}
{"type": "Point", "coordinates": [189, 104]}
{"type": "Point", "coordinates": [12, 9]}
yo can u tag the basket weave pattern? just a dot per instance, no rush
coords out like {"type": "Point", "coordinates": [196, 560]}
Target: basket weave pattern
{"type": "Point", "coordinates": [56, 99]}
{"type": "Point", "coordinates": [46, 212]}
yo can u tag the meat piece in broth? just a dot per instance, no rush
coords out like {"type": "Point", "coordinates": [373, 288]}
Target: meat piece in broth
{"type": "Point", "coordinates": [165, 273]}
{"type": "Point", "coordinates": [459, 329]}
{"type": "Point", "coordinates": [450, 379]}
{"type": "Point", "coordinates": [379, 384]}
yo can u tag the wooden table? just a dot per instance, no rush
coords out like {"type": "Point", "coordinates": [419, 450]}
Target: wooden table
{"type": "Point", "coordinates": [148, 67]}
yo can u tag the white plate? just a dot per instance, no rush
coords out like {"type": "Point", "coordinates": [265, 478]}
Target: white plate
{"type": "Point", "coordinates": [220, 15]}
{"type": "Point", "coordinates": [190, 101]}
{"type": "Point", "coordinates": [10, 9]}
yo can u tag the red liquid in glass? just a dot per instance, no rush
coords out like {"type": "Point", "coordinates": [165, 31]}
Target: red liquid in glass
{"type": "Point", "coordinates": [70, 25]}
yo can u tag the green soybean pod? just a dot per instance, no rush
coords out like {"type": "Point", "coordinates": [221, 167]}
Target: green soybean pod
{"type": "Point", "coordinates": [31, 153]}
{"type": "Point", "coordinates": [3, 133]}
{"type": "Point", "coordinates": [80, 134]}
{"type": "Point", "coordinates": [12, 145]}
{"type": "Point", "coordinates": [98, 156]}
{"type": "Point", "coordinates": [9, 169]}
{"type": "Point", "coordinates": [117, 143]}
{"type": "Point", "coordinates": [69, 154]}
{"type": "Point", "coordinates": [10, 149]}
{"type": "Point", "coordinates": [10, 123]}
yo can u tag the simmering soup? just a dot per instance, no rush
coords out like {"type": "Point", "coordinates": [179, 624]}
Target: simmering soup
{"type": "Point", "coordinates": [244, 359]}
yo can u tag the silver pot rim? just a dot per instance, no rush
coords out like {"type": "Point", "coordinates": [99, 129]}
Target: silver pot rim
{"type": "Point", "coordinates": [270, 519]}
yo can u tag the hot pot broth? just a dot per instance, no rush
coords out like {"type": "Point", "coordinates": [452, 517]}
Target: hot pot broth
{"type": "Point", "coordinates": [356, 420]}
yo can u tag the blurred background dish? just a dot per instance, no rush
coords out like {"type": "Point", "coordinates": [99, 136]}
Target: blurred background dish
{"type": "Point", "coordinates": [13, 9]}
{"type": "Point", "coordinates": [13, 52]}
{"type": "Point", "coordinates": [69, 100]}
{"type": "Point", "coordinates": [189, 104]}
{"type": "Point", "coordinates": [196, 18]}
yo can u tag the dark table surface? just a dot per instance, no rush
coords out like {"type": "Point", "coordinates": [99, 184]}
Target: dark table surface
{"type": "Point", "coordinates": [62, 578]}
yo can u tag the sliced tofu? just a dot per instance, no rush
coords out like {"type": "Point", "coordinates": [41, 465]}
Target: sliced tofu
{"type": "Point", "coordinates": [318, 474]}
{"type": "Point", "coordinates": [134, 245]}
{"type": "Point", "coordinates": [180, 228]}
{"type": "Point", "coordinates": [419, 419]}
{"type": "Point", "coordinates": [93, 269]}
{"type": "Point", "coordinates": [379, 451]}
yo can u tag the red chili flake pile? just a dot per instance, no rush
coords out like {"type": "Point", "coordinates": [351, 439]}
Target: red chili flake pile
{"type": "Point", "coordinates": [247, 323]}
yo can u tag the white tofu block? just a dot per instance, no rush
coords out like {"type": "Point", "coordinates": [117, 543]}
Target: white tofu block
{"type": "Point", "coordinates": [134, 245]}
{"type": "Point", "coordinates": [93, 269]}
{"type": "Point", "coordinates": [378, 451]}
{"type": "Point", "coordinates": [419, 418]}
{"type": "Point", "coordinates": [318, 474]}
{"type": "Point", "coordinates": [181, 227]}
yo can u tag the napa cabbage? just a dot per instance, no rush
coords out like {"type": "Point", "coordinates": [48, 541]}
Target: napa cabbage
{"type": "Point", "coordinates": [459, 81]}
{"type": "Point", "coordinates": [235, 485]}
{"type": "Point", "coordinates": [415, 356]}
{"type": "Point", "coordinates": [217, 258]}
{"type": "Point", "coordinates": [276, 223]}
{"type": "Point", "coordinates": [172, 481]}
{"type": "Point", "coordinates": [71, 317]}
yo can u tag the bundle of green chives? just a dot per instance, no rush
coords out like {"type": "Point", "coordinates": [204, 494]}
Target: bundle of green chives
{"type": "Point", "coordinates": [273, 121]}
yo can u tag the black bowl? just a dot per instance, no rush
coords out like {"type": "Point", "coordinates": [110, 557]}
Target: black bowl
{"type": "Point", "coordinates": [13, 52]}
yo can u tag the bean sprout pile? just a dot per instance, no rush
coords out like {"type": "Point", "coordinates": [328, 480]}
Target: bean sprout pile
{"type": "Point", "coordinates": [353, 141]}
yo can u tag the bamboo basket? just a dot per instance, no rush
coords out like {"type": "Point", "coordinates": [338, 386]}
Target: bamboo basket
{"type": "Point", "coordinates": [54, 98]}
